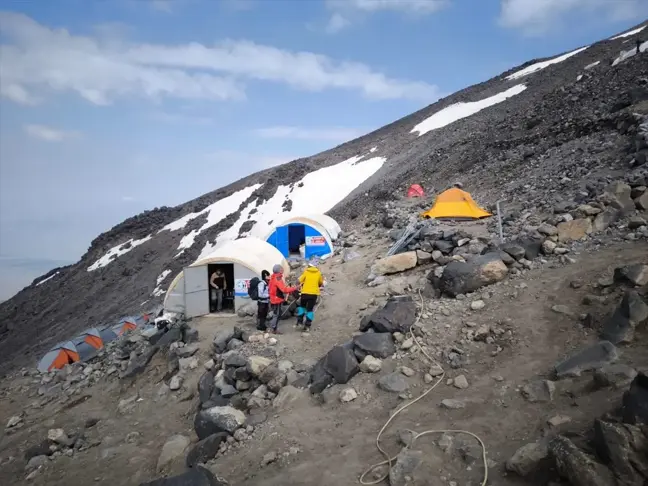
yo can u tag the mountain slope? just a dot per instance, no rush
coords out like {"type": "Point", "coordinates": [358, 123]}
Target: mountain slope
{"type": "Point", "coordinates": [530, 136]}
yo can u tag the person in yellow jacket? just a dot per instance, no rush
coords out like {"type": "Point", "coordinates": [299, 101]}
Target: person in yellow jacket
{"type": "Point", "coordinates": [311, 281]}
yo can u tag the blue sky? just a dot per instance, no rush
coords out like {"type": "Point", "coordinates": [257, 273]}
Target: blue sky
{"type": "Point", "coordinates": [109, 108]}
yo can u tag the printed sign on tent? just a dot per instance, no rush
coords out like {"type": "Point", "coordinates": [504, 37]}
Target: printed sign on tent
{"type": "Point", "coordinates": [315, 241]}
{"type": "Point", "coordinates": [241, 286]}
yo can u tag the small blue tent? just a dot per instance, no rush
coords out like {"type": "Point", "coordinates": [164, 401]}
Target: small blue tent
{"type": "Point", "coordinates": [314, 233]}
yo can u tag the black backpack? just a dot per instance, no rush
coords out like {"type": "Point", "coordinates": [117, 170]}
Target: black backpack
{"type": "Point", "coordinates": [253, 289]}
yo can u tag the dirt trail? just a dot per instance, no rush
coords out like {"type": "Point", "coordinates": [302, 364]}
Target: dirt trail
{"type": "Point", "coordinates": [330, 443]}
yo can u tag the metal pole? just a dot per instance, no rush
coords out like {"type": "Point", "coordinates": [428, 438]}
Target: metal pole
{"type": "Point", "coordinates": [499, 222]}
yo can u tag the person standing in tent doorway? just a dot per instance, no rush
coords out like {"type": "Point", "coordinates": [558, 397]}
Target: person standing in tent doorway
{"type": "Point", "coordinates": [218, 284]}
{"type": "Point", "coordinates": [279, 291]}
{"type": "Point", "coordinates": [311, 281]}
{"type": "Point", "coordinates": [263, 301]}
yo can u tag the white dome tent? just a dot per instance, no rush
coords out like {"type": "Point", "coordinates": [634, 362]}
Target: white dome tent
{"type": "Point", "coordinates": [315, 233]}
{"type": "Point", "coordinates": [240, 260]}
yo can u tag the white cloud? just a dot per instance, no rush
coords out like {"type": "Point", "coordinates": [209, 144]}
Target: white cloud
{"type": "Point", "coordinates": [536, 17]}
{"type": "Point", "coordinates": [42, 60]}
{"type": "Point", "coordinates": [343, 10]}
{"type": "Point", "coordinates": [128, 198]}
{"type": "Point", "coordinates": [49, 134]}
{"type": "Point", "coordinates": [336, 23]}
{"type": "Point", "coordinates": [334, 134]}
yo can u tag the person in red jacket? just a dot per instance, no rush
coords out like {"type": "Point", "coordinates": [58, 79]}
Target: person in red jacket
{"type": "Point", "coordinates": [278, 293]}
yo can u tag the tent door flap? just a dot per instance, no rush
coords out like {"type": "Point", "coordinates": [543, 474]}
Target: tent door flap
{"type": "Point", "coordinates": [196, 291]}
{"type": "Point", "coordinates": [281, 234]}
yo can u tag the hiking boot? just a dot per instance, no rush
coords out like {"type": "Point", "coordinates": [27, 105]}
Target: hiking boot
{"type": "Point", "coordinates": [307, 329]}
{"type": "Point", "coordinates": [275, 331]}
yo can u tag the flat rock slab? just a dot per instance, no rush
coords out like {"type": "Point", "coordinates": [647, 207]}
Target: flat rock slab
{"type": "Point", "coordinates": [528, 458]}
{"type": "Point", "coordinates": [402, 472]}
{"type": "Point", "coordinates": [394, 383]}
{"type": "Point", "coordinates": [636, 274]}
{"type": "Point", "coordinates": [395, 263]}
{"type": "Point", "coordinates": [377, 344]}
{"type": "Point", "coordinates": [591, 358]}
{"type": "Point", "coordinates": [173, 448]}
{"type": "Point", "coordinates": [218, 419]}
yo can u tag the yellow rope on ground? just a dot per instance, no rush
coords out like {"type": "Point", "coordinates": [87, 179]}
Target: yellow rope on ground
{"type": "Point", "coordinates": [390, 460]}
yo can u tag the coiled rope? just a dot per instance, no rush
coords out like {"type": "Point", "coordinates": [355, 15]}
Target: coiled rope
{"type": "Point", "coordinates": [389, 460]}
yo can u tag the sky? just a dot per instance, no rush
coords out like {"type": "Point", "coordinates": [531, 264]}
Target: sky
{"type": "Point", "coordinates": [109, 108]}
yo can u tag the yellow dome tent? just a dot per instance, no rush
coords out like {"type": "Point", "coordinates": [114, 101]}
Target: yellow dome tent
{"type": "Point", "coordinates": [455, 203]}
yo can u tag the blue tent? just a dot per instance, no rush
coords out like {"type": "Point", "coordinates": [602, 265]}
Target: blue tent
{"type": "Point", "coordinates": [307, 236]}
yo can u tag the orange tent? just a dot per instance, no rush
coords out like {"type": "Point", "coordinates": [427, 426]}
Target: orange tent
{"type": "Point", "coordinates": [125, 325]}
{"type": "Point", "coordinates": [455, 204]}
{"type": "Point", "coordinates": [415, 190]}
{"type": "Point", "coordinates": [59, 356]}
{"type": "Point", "coordinates": [93, 338]}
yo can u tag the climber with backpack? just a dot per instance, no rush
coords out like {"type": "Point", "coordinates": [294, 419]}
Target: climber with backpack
{"type": "Point", "coordinates": [259, 290]}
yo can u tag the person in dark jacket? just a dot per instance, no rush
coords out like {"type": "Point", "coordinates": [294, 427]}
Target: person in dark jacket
{"type": "Point", "coordinates": [263, 302]}
{"type": "Point", "coordinates": [279, 291]}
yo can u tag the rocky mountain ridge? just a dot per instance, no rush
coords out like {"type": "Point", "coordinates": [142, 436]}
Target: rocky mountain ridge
{"type": "Point", "coordinates": [573, 128]}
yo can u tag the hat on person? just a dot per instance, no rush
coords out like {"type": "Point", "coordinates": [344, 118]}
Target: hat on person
{"type": "Point", "coordinates": [277, 269]}
{"type": "Point", "coordinates": [312, 264]}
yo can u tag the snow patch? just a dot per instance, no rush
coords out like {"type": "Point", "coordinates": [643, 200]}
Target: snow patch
{"type": "Point", "coordinates": [46, 279]}
{"type": "Point", "coordinates": [316, 193]}
{"type": "Point", "coordinates": [630, 33]}
{"type": "Point", "coordinates": [157, 292]}
{"type": "Point", "coordinates": [373, 149]}
{"type": "Point", "coordinates": [458, 111]}
{"type": "Point", "coordinates": [628, 54]}
{"type": "Point", "coordinates": [594, 64]}
{"type": "Point", "coordinates": [579, 77]}
{"type": "Point", "coordinates": [117, 251]}
{"type": "Point", "coordinates": [162, 276]}
{"type": "Point", "coordinates": [538, 66]}
{"type": "Point", "coordinates": [216, 211]}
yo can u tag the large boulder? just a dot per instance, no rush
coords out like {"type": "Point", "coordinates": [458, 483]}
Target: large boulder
{"type": "Point", "coordinates": [319, 377]}
{"type": "Point", "coordinates": [635, 274]}
{"type": "Point", "coordinates": [222, 338]}
{"type": "Point", "coordinates": [632, 311]}
{"type": "Point", "coordinates": [289, 396]}
{"type": "Point", "coordinates": [205, 386]}
{"type": "Point", "coordinates": [398, 314]}
{"type": "Point", "coordinates": [574, 230]}
{"type": "Point", "coordinates": [218, 419]}
{"type": "Point", "coordinates": [604, 219]}
{"type": "Point", "coordinates": [257, 364]}
{"type": "Point", "coordinates": [205, 449]}
{"type": "Point", "coordinates": [194, 477]}
{"type": "Point", "coordinates": [464, 277]}
{"type": "Point", "coordinates": [623, 447]}
{"type": "Point", "coordinates": [619, 195]}
{"type": "Point", "coordinates": [577, 467]}
{"type": "Point", "coordinates": [590, 358]}
{"type": "Point", "coordinates": [635, 401]}
{"type": "Point", "coordinates": [394, 383]}
{"type": "Point", "coordinates": [395, 263]}
{"type": "Point", "coordinates": [341, 364]}
{"type": "Point", "coordinates": [376, 344]}
{"type": "Point", "coordinates": [528, 458]}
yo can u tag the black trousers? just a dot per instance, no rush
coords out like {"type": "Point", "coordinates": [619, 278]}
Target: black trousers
{"type": "Point", "coordinates": [306, 305]}
{"type": "Point", "coordinates": [262, 315]}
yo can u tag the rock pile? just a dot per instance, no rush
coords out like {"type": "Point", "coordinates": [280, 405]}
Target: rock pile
{"type": "Point", "coordinates": [617, 453]}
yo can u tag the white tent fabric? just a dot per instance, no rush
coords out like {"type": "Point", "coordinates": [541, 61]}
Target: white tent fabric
{"type": "Point", "coordinates": [323, 223]}
{"type": "Point", "coordinates": [252, 253]}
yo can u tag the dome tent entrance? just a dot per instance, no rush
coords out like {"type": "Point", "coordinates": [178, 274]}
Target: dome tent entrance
{"type": "Point", "coordinates": [315, 233]}
{"type": "Point", "coordinates": [189, 292]}
{"type": "Point", "coordinates": [59, 356]}
{"type": "Point", "coordinates": [455, 203]}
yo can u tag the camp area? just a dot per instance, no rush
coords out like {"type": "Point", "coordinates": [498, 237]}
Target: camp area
{"type": "Point", "coordinates": [305, 236]}
{"type": "Point", "coordinates": [87, 344]}
{"type": "Point", "coordinates": [239, 261]}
